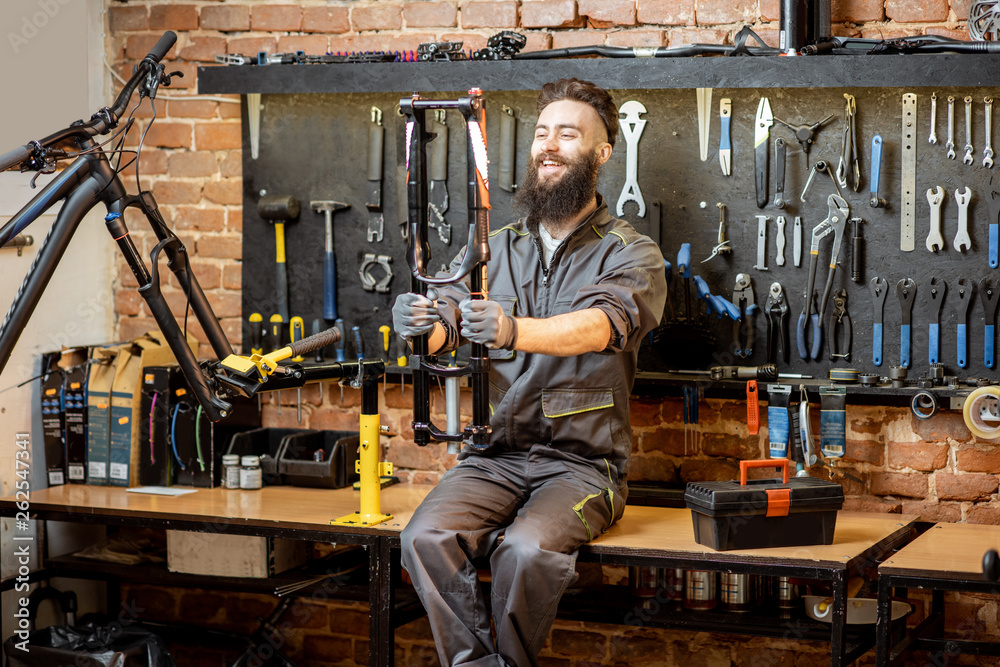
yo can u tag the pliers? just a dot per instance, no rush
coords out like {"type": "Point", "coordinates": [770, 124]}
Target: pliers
{"type": "Point", "coordinates": [839, 317]}
{"type": "Point", "coordinates": [746, 303]}
{"type": "Point", "coordinates": [835, 222]}
{"type": "Point", "coordinates": [776, 308]}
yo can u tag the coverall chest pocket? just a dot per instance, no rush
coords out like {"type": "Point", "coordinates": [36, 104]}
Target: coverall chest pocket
{"type": "Point", "coordinates": [580, 415]}
{"type": "Point", "coordinates": [508, 304]}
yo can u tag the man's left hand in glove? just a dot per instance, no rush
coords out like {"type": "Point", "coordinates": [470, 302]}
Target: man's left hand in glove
{"type": "Point", "coordinates": [484, 322]}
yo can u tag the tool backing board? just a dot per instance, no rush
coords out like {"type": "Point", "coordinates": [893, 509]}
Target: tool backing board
{"type": "Point", "coordinates": [314, 146]}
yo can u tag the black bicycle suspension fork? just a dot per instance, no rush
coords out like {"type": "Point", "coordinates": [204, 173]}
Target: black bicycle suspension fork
{"type": "Point", "coordinates": [117, 201]}
{"type": "Point", "coordinates": [473, 264]}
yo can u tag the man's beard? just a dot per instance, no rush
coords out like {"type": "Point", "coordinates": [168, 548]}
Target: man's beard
{"type": "Point", "coordinates": [558, 200]}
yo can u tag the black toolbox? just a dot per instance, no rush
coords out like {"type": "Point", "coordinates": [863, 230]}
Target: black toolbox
{"type": "Point", "coordinates": [764, 513]}
{"type": "Point", "coordinates": [323, 459]}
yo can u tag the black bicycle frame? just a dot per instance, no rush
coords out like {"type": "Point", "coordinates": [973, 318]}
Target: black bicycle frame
{"type": "Point", "coordinates": [87, 181]}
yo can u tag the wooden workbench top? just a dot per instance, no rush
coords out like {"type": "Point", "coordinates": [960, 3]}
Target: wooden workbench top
{"type": "Point", "coordinates": [946, 548]}
{"type": "Point", "coordinates": [656, 530]}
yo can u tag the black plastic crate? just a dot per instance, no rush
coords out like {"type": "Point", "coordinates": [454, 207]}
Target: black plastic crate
{"type": "Point", "coordinates": [299, 466]}
{"type": "Point", "coordinates": [764, 513]}
{"type": "Point", "coordinates": [268, 444]}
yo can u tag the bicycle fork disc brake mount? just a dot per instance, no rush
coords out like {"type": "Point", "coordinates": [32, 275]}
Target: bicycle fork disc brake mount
{"type": "Point", "coordinates": [473, 265]}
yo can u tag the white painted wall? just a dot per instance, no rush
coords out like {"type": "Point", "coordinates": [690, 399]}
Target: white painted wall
{"type": "Point", "coordinates": [52, 74]}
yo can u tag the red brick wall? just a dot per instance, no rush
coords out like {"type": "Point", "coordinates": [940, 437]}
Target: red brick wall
{"type": "Point", "coordinates": [192, 163]}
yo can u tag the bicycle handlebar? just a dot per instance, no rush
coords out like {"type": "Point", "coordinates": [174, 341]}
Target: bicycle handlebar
{"type": "Point", "coordinates": [15, 157]}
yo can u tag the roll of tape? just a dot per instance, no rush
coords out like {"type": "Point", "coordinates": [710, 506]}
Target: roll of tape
{"type": "Point", "coordinates": [981, 412]}
{"type": "Point", "coordinates": [924, 405]}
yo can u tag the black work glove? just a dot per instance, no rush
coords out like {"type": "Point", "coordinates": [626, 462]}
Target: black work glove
{"type": "Point", "coordinates": [485, 322]}
{"type": "Point", "coordinates": [414, 314]}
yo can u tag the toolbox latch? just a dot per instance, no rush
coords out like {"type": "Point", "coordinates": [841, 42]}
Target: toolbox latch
{"type": "Point", "coordinates": [778, 502]}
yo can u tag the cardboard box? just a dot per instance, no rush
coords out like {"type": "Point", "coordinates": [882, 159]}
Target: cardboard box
{"type": "Point", "coordinates": [222, 555]}
{"type": "Point", "coordinates": [52, 404]}
{"type": "Point", "coordinates": [99, 382]}
{"type": "Point", "coordinates": [126, 405]}
{"type": "Point", "coordinates": [74, 365]}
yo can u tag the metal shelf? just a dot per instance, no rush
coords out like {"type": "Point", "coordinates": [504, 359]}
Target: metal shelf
{"type": "Point", "coordinates": [849, 71]}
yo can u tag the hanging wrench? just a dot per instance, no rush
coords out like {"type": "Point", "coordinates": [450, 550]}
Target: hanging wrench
{"type": "Point", "coordinates": [779, 242]}
{"type": "Point", "coordinates": [988, 151]}
{"type": "Point", "coordinates": [906, 290]}
{"type": "Point", "coordinates": [963, 292]}
{"type": "Point", "coordinates": [879, 288]}
{"type": "Point", "coordinates": [968, 130]}
{"type": "Point", "coordinates": [933, 138]}
{"type": "Point", "coordinates": [632, 126]}
{"type": "Point", "coordinates": [935, 198]}
{"type": "Point", "coordinates": [951, 128]}
{"type": "Point", "coordinates": [962, 240]}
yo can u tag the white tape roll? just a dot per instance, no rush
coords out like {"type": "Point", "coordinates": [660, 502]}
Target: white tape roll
{"type": "Point", "coordinates": [982, 412]}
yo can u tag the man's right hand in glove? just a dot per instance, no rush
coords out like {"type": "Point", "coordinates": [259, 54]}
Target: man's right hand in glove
{"type": "Point", "coordinates": [415, 314]}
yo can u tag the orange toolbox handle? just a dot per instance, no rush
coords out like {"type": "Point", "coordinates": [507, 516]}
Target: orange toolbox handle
{"type": "Point", "coordinates": [764, 463]}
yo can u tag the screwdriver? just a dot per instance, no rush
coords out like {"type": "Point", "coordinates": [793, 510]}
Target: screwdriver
{"type": "Point", "coordinates": [277, 327]}
{"type": "Point", "coordinates": [385, 330]}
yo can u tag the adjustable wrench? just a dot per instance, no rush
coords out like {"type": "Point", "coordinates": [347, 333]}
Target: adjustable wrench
{"type": "Point", "coordinates": [963, 292]}
{"type": "Point", "coordinates": [906, 290]}
{"type": "Point", "coordinates": [951, 128]}
{"type": "Point", "coordinates": [968, 130]}
{"type": "Point", "coordinates": [988, 294]}
{"type": "Point", "coordinates": [935, 197]}
{"type": "Point", "coordinates": [962, 240]}
{"type": "Point", "coordinates": [632, 126]}
{"type": "Point", "coordinates": [780, 242]}
{"type": "Point", "coordinates": [879, 288]}
{"type": "Point", "coordinates": [988, 150]}
{"type": "Point", "coordinates": [937, 289]}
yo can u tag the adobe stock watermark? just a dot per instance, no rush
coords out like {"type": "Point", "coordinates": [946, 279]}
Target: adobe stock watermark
{"type": "Point", "coordinates": [32, 24]}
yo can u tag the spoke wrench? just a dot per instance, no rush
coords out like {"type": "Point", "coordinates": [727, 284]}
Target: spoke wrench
{"type": "Point", "coordinates": [879, 288]}
{"type": "Point", "coordinates": [906, 290]}
{"type": "Point", "coordinates": [936, 289]}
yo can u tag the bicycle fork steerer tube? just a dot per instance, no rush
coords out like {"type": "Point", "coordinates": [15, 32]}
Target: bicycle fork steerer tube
{"type": "Point", "coordinates": [473, 264]}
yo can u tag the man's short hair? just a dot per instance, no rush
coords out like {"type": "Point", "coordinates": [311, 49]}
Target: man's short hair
{"type": "Point", "coordinates": [586, 92]}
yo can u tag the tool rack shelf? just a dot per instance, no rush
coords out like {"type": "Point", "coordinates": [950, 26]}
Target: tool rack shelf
{"type": "Point", "coordinates": [854, 71]}
{"type": "Point", "coordinates": [314, 126]}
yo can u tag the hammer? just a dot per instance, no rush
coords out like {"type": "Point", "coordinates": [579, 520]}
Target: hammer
{"type": "Point", "coordinates": [328, 208]}
{"type": "Point", "coordinates": [279, 209]}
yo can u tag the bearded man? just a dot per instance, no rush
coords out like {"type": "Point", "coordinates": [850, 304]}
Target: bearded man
{"type": "Point", "coordinates": [572, 293]}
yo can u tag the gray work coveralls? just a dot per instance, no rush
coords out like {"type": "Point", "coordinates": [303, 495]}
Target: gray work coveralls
{"type": "Point", "coordinates": [554, 475]}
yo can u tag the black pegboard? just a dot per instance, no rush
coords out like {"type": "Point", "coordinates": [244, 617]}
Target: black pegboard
{"type": "Point", "coordinates": [314, 146]}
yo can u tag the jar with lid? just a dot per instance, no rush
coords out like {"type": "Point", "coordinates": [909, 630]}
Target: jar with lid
{"type": "Point", "coordinates": [250, 473]}
{"type": "Point", "coordinates": [231, 471]}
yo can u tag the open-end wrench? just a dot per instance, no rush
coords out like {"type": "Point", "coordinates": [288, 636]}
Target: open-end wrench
{"type": "Point", "coordinates": [936, 289]}
{"type": "Point", "coordinates": [951, 128]}
{"type": "Point", "coordinates": [879, 288]}
{"type": "Point", "coordinates": [988, 294]}
{"type": "Point", "coordinates": [968, 131]}
{"type": "Point", "coordinates": [632, 126]}
{"type": "Point", "coordinates": [962, 240]}
{"type": "Point", "coordinates": [933, 138]}
{"type": "Point", "coordinates": [876, 166]}
{"type": "Point", "coordinates": [988, 150]}
{"type": "Point", "coordinates": [779, 173]}
{"type": "Point", "coordinates": [963, 294]}
{"type": "Point", "coordinates": [906, 291]}
{"type": "Point", "coordinates": [935, 197]}
{"type": "Point", "coordinates": [779, 242]}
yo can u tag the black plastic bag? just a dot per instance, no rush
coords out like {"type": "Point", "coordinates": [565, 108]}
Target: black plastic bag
{"type": "Point", "coordinates": [89, 645]}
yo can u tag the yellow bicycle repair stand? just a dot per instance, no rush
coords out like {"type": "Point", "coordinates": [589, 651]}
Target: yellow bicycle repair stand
{"type": "Point", "coordinates": [370, 470]}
